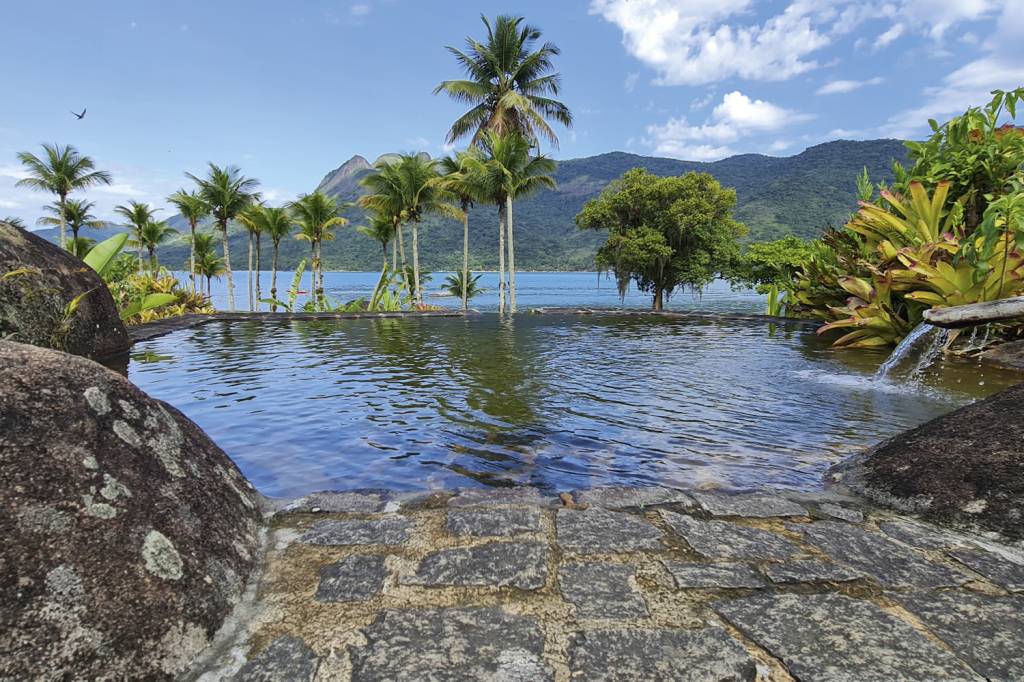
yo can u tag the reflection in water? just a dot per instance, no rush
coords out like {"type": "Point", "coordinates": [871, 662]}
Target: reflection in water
{"type": "Point", "coordinates": [559, 402]}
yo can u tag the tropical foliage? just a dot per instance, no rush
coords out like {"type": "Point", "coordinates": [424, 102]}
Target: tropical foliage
{"type": "Point", "coordinates": [949, 231]}
{"type": "Point", "coordinates": [316, 215]}
{"type": "Point", "coordinates": [665, 233]}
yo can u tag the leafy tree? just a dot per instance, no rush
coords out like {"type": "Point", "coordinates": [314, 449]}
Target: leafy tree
{"type": "Point", "coordinates": [193, 209]}
{"type": "Point", "coordinates": [138, 215]}
{"type": "Point", "coordinates": [226, 191]}
{"type": "Point", "coordinates": [508, 83]}
{"type": "Point", "coordinates": [510, 172]}
{"type": "Point", "coordinates": [385, 199]}
{"type": "Point", "coordinates": [152, 235]}
{"type": "Point", "coordinates": [665, 233]}
{"type": "Point", "coordinates": [249, 218]}
{"type": "Point", "coordinates": [76, 214]}
{"type": "Point", "coordinates": [767, 264]}
{"type": "Point", "coordinates": [316, 214]}
{"type": "Point", "coordinates": [62, 171]}
{"type": "Point", "coordinates": [14, 221]}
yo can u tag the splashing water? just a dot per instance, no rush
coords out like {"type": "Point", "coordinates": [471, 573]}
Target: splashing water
{"type": "Point", "coordinates": [915, 353]}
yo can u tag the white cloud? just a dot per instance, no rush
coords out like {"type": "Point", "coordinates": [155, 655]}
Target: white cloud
{"type": "Point", "coordinates": [701, 102]}
{"type": "Point", "coordinates": [889, 36]}
{"type": "Point", "coordinates": [690, 42]}
{"type": "Point", "coordinates": [779, 145]}
{"type": "Point", "coordinates": [842, 86]}
{"type": "Point", "coordinates": [359, 9]}
{"type": "Point", "coordinates": [4, 203]}
{"type": "Point", "coordinates": [1001, 68]}
{"type": "Point", "coordinates": [737, 116]}
{"type": "Point", "coordinates": [630, 82]}
{"type": "Point", "coordinates": [15, 172]}
{"type": "Point", "coordinates": [121, 189]}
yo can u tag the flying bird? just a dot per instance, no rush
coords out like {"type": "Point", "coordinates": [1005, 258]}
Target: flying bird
{"type": "Point", "coordinates": [79, 116]}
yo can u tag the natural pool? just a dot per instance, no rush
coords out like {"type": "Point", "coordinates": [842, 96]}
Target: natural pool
{"type": "Point", "coordinates": [556, 401]}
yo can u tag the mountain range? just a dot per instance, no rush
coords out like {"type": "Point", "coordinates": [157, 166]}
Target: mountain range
{"type": "Point", "coordinates": [776, 196]}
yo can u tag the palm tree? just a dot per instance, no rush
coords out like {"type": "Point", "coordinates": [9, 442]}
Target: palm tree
{"type": "Point", "coordinates": [458, 285]}
{"type": "Point", "coordinates": [79, 246]}
{"type": "Point", "coordinates": [76, 215]}
{"type": "Point", "coordinates": [208, 265]}
{"type": "Point", "coordinates": [508, 84]}
{"type": "Point", "coordinates": [152, 235]}
{"type": "Point", "coordinates": [61, 172]}
{"type": "Point", "coordinates": [382, 230]}
{"type": "Point", "coordinates": [508, 173]}
{"type": "Point", "coordinates": [385, 198]}
{"type": "Point", "coordinates": [417, 190]}
{"type": "Point", "coordinates": [138, 216]}
{"type": "Point", "coordinates": [276, 224]}
{"type": "Point", "coordinates": [249, 219]}
{"type": "Point", "coordinates": [316, 214]}
{"type": "Point", "coordinates": [226, 191]}
{"type": "Point", "coordinates": [14, 221]}
{"type": "Point", "coordinates": [193, 209]}
{"type": "Point", "coordinates": [462, 180]}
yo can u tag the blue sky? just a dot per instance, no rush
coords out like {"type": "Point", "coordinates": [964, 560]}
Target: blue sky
{"type": "Point", "coordinates": [289, 91]}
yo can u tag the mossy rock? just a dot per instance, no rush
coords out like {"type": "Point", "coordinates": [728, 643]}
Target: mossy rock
{"type": "Point", "coordinates": [37, 282]}
{"type": "Point", "coordinates": [964, 469]}
{"type": "Point", "coordinates": [129, 535]}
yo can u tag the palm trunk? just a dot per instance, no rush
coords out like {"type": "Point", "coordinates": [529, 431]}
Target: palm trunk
{"type": "Point", "coordinates": [227, 268]}
{"type": "Point", "coordinates": [192, 255]}
{"type": "Point", "coordinates": [250, 274]}
{"type": "Point", "coordinates": [273, 279]}
{"type": "Point", "coordinates": [63, 223]}
{"type": "Point", "coordinates": [401, 252]}
{"type": "Point", "coordinates": [138, 237]}
{"type": "Point", "coordinates": [501, 259]}
{"type": "Point", "coordinates": [416, 265]}
{"type": "Point", "coordinates": [659, 296]}
{"type": "Point", "coordinates": [465, 258]}
{"type": "Point", "coordinates": [381, 281]}
{"type": "Point", "coordinates": [312, 272]}
{"type": "Point", "coordinates": [511, 256]}
{"type": "Point", "coordinates": [152, 260]}
{"type": "Point", "coordinates": [257, 271]}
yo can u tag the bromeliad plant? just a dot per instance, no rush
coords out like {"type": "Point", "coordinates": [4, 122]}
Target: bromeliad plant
{"type": "Point", "coordinates": [948, 232]}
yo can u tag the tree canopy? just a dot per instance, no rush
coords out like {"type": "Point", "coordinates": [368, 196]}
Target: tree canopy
{"type": "Point", "coordinates": [664, 233]}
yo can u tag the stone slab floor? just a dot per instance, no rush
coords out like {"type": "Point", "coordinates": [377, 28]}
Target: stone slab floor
{"type": "Point", "coordinates": [621, 584]}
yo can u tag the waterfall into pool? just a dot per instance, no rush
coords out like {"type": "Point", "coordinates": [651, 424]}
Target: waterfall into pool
{"type": "Point", "coordinates": [915, 353]}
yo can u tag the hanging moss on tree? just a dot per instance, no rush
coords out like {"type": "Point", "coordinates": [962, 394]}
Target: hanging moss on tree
{"type": "Point", "coordinates": [665, 233]}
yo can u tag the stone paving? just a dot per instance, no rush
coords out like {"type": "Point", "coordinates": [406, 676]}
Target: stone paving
{"type": "Point", "coordinates": [623, 584]}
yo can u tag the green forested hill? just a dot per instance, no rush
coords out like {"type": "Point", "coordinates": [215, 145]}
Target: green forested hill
{"type": "Point", "coordinates": [777, 196]}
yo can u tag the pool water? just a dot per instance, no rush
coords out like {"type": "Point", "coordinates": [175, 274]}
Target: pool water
{"type": "Point", "coordinates": [556, 401]}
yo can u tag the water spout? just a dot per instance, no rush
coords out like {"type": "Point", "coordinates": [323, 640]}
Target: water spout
{"type": "Point", "coordinates": [916, 352]}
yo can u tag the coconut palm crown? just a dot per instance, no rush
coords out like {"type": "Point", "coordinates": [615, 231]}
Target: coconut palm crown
{"type": "Point", "coordinates": [226, 191]}
{"type": "Point", "coordinates": [508, 83]}
{"type": "Point", "coordinates": [77, 213]}
{"type": "Point", "coordinates": [193, 209]}
{"type": "Point", "coordinates": [61, 171]}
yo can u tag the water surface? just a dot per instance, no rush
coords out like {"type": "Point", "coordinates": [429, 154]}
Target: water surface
{"type": "Point", "coordinates": [555, 401]}
{"type": "Point", "coordinates": [533, 290]}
